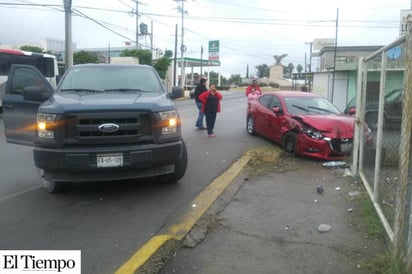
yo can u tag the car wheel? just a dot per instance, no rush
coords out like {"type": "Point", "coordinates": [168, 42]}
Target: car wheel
{"type": "Point", "coordinates": [372, 120]}
{"type": "Point", "coordinates": [289, 142]}
{"type": "Point", "coordinates": [250, 125]}
{"type": "Point", "coordinates": [51, 186]}
{"type": "Point", "coordinates": [180, 168]}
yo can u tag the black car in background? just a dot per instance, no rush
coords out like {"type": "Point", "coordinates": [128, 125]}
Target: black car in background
{"type": "Point", "coordinates": [392, 109]}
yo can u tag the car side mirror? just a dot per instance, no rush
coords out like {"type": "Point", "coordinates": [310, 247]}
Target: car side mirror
{"type": "Point", "coordinates": [276, 110]}
{"type": "Point", "coordinates": [352, 111]}
{"type": "Point", "coordinates": [35, 93]}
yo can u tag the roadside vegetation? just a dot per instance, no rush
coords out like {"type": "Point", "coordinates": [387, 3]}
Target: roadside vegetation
{"type": "Point", "coordinates": [372, 227]}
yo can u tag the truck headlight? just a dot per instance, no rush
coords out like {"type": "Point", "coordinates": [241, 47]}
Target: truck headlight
{"type": "Point", "coordinates": [45, 124]}
{"type": "Point", "coordinates": [169, 121]}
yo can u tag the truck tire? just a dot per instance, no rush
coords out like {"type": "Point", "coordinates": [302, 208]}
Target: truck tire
{"type": "Point", "coordinates": [180, 168]}
{"type": "Point", "coordinates": [51, 186]}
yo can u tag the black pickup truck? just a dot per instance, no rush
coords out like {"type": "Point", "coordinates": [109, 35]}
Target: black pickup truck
{"type": "Point", "coordinates": [103, 122]}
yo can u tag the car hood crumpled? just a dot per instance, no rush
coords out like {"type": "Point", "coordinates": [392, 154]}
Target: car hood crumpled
{"type": "Point", "coordinates": [330, 123]}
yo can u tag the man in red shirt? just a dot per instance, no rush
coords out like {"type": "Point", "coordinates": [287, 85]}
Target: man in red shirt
{"type": "Point", "coordinates": [254, 86]}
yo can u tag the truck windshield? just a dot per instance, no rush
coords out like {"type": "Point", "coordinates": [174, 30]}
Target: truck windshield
{"type": "Point", "coordinates": [111, 78]}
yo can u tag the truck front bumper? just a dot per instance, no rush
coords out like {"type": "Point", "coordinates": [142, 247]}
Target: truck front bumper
{"type": "Point", "coordinates": [81, 164]}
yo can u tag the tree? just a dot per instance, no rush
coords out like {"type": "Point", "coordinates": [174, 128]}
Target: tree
{"type": "Point", "coordinates": [162, 64]}
{"type": "Point", "coordinates": [262, 70]}
{"type": "Point", "coordinates": [32, 48]}
{"type": "Point", "coordinates": [235, 78]}
{"type": "Point", "coordinates": [84, 57]}
{"type": "Point", "coordinates": [299, 68]}
{"type": "Point", "coordinates": [287, 71]}
{"type": "Point", "coordinates": [144, 55]}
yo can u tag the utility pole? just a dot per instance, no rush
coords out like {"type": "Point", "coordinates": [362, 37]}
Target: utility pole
{"type": "Point", "coordinates": [183, 48]}
{"type": "Point", "coordinates": [201, 61]}
{"type": "Point", "coordinates": [68, 56]}
{"type": "Point", "coordinates": [137, 24]}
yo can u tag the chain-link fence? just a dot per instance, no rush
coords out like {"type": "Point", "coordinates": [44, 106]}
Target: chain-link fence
{"type": "Point", "coordinates": [384, 104]}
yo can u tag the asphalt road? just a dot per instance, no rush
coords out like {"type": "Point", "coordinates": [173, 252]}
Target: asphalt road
{"type": "Point", "coordinates": [109, 221]}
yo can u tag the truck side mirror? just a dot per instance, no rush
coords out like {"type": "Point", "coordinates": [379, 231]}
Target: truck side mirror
{"type": "Point", "coordinates": [177, 92]}
{"type": "Point", "coordinates": [35, 93]}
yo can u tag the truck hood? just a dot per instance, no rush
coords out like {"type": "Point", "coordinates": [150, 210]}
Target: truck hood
{"type": "Point", "coordinates": [125, 101]}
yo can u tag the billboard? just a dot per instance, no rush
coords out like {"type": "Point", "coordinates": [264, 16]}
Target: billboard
{"type": "Point", "coordinates": [214, 50]}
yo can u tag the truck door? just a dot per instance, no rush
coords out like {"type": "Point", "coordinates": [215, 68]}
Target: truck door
{"type": "Point", "coordinates": [26, 89]}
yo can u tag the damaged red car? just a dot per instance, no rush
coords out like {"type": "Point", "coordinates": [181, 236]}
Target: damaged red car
{"type": "Point", "coordinates": [305, 124]}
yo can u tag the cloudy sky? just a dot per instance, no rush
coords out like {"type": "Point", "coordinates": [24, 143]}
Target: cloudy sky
{"type": "Point", "coordinates": [249, 32]}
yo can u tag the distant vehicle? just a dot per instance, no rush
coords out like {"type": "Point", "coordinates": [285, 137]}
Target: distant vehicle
{"type": "Point", "coordinates": [45, 63]}
{"type": "Point", "coordinates": [302, 123]}
{"type": "Point", "coordinates": [392, 110]}
{"type": "Point", "coordinates": [104, 122]}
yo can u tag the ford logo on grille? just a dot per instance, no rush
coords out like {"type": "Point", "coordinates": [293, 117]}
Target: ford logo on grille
{"type": "Point", "coordinates": [109, 127]}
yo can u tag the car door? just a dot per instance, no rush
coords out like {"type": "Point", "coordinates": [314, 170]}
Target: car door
{"type": "Point", "coordinates": [261, 113]}
{"type": "Point", "coordinates": [26, 89]}
{"type": "Point", "coordinates": [275, 119]}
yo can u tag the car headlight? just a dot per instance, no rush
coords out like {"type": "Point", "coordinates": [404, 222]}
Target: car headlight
{"type": "Point", "coordinates": [312, 133]}
{"type": "Point", "coordinates": [169, 121]}
{"type": "Point", "coordinates": [45, 123]}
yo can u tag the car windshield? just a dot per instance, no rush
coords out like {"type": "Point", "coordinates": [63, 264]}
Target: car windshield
{"type": "Point", "coordinates": [96, 79]}
{"type": "Point", "coordinates": [309, 105]}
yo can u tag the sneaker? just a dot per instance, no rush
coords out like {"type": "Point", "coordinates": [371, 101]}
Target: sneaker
{"type": "Point", "coordinates": [211, 135]}
{"type": "Point", "coordinates": [201, 128]}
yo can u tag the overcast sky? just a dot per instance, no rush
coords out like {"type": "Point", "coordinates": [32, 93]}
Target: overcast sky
{"type": "Point", "coordinates": [250, 32]}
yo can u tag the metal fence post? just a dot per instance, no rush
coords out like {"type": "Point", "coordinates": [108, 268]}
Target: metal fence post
{"type": "Point", "coordinates": [402, 239]}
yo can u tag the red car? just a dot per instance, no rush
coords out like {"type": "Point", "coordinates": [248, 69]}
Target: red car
{"type": "Point", "coordinates": [303, 123]}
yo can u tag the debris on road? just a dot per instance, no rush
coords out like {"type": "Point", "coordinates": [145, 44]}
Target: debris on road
{"type": "Point", "coordinates": [319, 189]}
{"type": "Point", "coordinates": [333, 164]}
{"type": "Point", "coordinates": [324, 228]}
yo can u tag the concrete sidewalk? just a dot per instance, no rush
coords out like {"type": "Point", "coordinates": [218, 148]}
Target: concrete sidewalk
{"type": "Point", "coordinates": [271, 223]}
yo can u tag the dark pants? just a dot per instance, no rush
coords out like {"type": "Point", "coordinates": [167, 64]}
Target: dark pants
{"type": "Point", "coordinates": [210, 121]}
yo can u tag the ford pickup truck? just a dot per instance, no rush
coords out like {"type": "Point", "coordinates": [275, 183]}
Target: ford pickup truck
{"type": "Point", "coordinates": [103, 122]}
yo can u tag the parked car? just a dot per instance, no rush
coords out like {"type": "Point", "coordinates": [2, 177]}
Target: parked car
{"type": "Point", "coordinates": [302, 123]}
{"type": "Point", "coordinates": [392, 113]}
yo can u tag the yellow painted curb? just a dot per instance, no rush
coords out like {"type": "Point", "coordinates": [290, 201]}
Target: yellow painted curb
{"type": "Point", "coordinates": [177, 232]}
{"type": "Point", "coordinates": [143, 254]}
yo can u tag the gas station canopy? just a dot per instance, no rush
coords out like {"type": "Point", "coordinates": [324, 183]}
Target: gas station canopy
{"type": "Point", "coordinates": [194, 62]}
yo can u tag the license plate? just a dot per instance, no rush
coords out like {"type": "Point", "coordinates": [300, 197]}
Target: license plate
{"type": "Point", "coordinates": [109, 160]}
{"type": "Point", "coordinates": [346, 147]}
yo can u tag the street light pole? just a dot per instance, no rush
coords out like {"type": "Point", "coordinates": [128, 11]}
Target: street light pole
{"type": "Point", "coordinates": [68, 56]}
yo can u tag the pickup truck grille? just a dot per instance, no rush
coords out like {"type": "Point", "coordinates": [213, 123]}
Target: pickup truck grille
{"type": "Point", "coordinates": [130, 128]}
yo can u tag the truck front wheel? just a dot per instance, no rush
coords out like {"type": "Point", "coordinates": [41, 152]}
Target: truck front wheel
{"type": "Point", "coordinates": [51, 186]}
{"type": "Point", "coordinates": [180, 168]}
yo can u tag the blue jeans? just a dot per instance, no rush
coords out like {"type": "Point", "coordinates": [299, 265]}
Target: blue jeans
{"type": "Point", "coordinates": [199, 122]}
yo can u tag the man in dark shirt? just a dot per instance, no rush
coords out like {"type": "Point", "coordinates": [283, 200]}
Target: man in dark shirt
{"type": "Point", "coordinates": [200, 88]}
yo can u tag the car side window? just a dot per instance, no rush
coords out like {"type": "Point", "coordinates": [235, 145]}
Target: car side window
{"type": "Point", "coordinates": [275, 103]}
{"type": "Point", "coordinates": [23, 77]}
{"type": "Point", "coordinates": [265, 100]}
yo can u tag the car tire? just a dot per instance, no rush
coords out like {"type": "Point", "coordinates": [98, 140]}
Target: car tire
{"type": "Point", "coordinates": [371, 120]}
{"type": "Point", "coordinates": [250, 125]}
{"type": "Point", "coordinates": [289, 142]}
{"type": "Point", "coordinates": [51, 186]}
{"type": "Point", "coordinates": [180, 169]}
